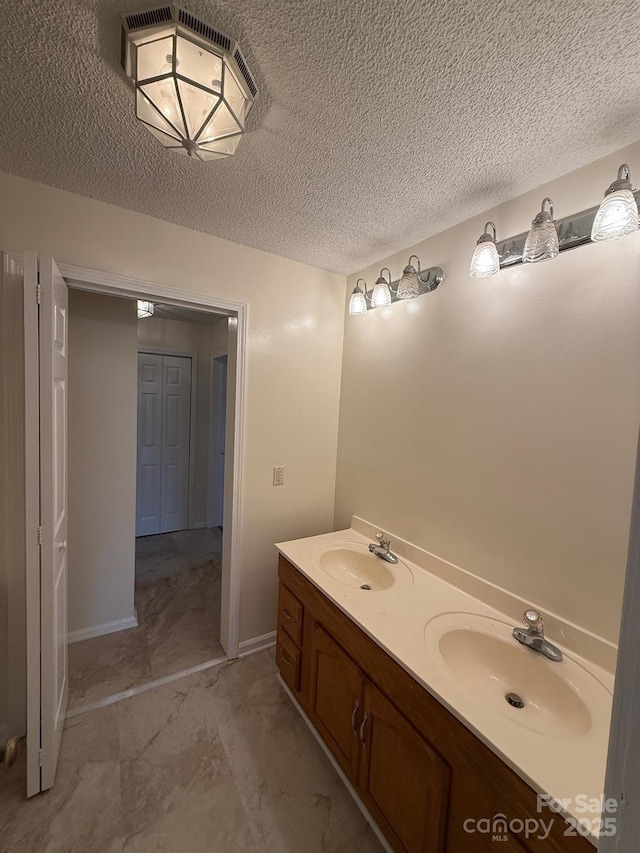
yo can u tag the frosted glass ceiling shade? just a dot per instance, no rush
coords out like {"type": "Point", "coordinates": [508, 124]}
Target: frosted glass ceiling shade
{"type": "Point", "coordinates": [193, 88]}
{"type": "Point", "coordinates": [617, 215]}
{"type": "Point", "coordinates": [485, 260]}
{"type": "Point", "coordinates": [409, 285]}
{"type": "Point", "coordinates": [381, 296]}
{"type": "Point", "coordinates": [358, 301]}
{"type": "Point", "coordinates": [542, 241]}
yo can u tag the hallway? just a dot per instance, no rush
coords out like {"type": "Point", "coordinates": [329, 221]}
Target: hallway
{"type": "Point", "coordinates": [177, 599]}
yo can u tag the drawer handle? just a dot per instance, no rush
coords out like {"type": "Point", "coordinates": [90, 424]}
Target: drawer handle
{"type": "Point", "coordinates": [362, 725]}
{"type": "Point", "coordinates": [288, 616]}
{"type": "Point", "coordinates": [285, 657]}
{"type": "Point", "coordinates": [356, 708]}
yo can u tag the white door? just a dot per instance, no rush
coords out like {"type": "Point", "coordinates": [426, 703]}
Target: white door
{"type": "Point", "coordinates": [176, 420]}
{"type": "Point", "coordinates": [149, 444]}
{"type": "Point", "coordinates": [164, 422]}
{"type": "Point", "coordinates": [47, 682]}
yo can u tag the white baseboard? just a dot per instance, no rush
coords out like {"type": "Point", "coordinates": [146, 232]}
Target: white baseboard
{"type": "Point", "coordinates": [197, 525]}
{"type": "Point", "coordinates": [99, 630]}
{"type": "Point", "coordinates": [257, 644]}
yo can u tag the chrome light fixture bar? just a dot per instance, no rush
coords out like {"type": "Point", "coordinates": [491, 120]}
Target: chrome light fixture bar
{"type": "Point", "coordinates": [611, 219]}
{"type": "Point", "coordinates": [363, 300]}
{"type": "Point", "coordinates": [193, 87]}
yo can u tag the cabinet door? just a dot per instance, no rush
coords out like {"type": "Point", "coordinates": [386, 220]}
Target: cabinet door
{"type": "Point", "coordinates": [402, 780]}
{"type": "Point", "coordinates": [336, 699]}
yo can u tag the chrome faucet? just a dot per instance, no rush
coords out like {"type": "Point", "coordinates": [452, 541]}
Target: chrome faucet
{"type": "Point", "coordinates": [382, 549]}
{"type": "Point", "coordinates": [532, 635]}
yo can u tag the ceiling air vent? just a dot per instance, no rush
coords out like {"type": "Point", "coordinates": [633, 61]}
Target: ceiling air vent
{"type": "Point", "coordinates": [138, 20]}
{"type": "Point", "coordinates": [204, 30]}
{"type": "Point", "coordinates": [244, 70]}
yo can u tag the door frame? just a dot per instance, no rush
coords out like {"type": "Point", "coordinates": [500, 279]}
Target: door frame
{"type": "Point", "coordinates": [192, 421]}
{"type": "Point", "coordinates": [217, 423]}
{"type": "Point", "coordinates": [112, 284]}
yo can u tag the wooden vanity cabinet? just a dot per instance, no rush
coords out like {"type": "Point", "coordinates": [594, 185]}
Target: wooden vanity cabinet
{"type": "Point", "coordinates": [337, 695]}
{"type": "Point", "coordinates": [289, 638]}
{"type": "Point", "coordinates": [402, 780]}
{"type": "Point", "coordinates": [420, 772]}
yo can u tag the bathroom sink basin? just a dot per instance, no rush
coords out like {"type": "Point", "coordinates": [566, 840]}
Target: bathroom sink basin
{"type": "Point", "coordinates": [482, 659]}
{"type": "Point", "coordinates": [353, 565]}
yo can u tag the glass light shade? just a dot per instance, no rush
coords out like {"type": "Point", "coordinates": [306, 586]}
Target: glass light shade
{"type": "Point", "coordinates": [485, 260]}
{"type": "Point", "coordinates": [145, 309]}
{"type": "Point", "coordinates": [617, 216]}
{"type": "Point", "coordinates": [381, 296]}
{"type": "Point", "coordinates": [409, 285]}
{"type": "Point", "coordinates": [541, 243]}
{"type": "Point", "coordinates": [357, 303]}
{"type": "Point", "coordinates": [188, 97]}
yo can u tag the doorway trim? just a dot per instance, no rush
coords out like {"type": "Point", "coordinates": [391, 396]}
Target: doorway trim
{"type": "Point", "coordinates": [113, 284]}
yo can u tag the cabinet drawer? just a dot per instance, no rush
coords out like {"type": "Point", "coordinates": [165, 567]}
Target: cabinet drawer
{"type": "Point", "coordinates": [290, 614]}
{"type": "Point", "coordinates": [288, 661]}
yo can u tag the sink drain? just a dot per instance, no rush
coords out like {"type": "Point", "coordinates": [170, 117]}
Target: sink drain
{"type": "Point", "coordinates": [514, 700]}
{"type": "Point", "coordinates": [365, 586]}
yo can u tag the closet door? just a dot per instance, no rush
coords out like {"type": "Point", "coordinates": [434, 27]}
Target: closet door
{"type": "Point", "coordinates": [176, 424]}
{"type": "Point", "coordinates": [149, 444]}
{"type": "Point", "coordinates": [164, 425]}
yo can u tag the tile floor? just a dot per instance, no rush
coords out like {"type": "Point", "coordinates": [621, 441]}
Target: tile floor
{"type": "Point", "coordinates": [217, 762]}
{"type": "Point", "coordinates": [177, 598]}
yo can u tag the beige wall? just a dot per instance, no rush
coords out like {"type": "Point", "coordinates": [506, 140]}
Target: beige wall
{"type": "Point", "coordinates": [295, 323]}
{"type": "Point", "coordinates": [102, 459]}
{"type": "Point", "coordinates": [158, 334]}
{"type": "Point", "coordinates": [494, 422]}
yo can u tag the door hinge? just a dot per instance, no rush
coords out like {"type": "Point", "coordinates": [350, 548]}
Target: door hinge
{"type": "Point", "coordinates": [39, 536]}
{"type": "Point", "coordinates": [40, 757]}
{"type": "Point", "coordinates": [38, 292]}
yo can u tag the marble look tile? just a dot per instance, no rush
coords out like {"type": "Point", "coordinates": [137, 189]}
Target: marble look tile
{"type": "Point", "coordinates": [180, 640]}
{"type": "Point", "coordinates": [218, 762]}
{"type": "Point", "coordinates": [364, 841]}
{"type": "Point", "coordinates": [102, 666]}
{"type": "Point", "coordinates": [196, 546]}
{"type": "Point", "coordinates": [177, 788]}
{"type": "Point", "coordinates": [279, 769]}
{"type": "Point", "coordinates": [82, 812]}
{"type": "Point", "coordinates": [157, 557]}
{"type": "Point", "coordinates": [192, 588]}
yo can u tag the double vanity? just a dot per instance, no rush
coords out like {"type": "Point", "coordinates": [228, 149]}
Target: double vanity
{"type": "Point", "coordinates": [456, 732]}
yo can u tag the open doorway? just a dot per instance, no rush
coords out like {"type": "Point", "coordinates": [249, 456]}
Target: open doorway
{"type": "Point", "coordinates": [168, 556]}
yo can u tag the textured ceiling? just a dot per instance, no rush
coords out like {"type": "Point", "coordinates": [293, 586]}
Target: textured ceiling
{"type": "Point", "coordinates": [379, 122]}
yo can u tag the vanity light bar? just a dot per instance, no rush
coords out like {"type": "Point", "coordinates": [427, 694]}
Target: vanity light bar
{"type": "Point", "coordinates": [573, 231]}
{"type": "Point", "coordinates": [364, 300]}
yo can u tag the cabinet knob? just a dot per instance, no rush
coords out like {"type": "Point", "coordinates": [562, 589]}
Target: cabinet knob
{"type": "Point", "coordinates": [287, 615]}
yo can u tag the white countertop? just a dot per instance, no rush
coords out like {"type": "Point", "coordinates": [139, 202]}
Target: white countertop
{"type": "Point", "coordinates": [562, 766]}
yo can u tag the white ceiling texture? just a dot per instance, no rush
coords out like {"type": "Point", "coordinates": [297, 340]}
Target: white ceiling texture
{"type": "Point", "coordinates": [379, 122]}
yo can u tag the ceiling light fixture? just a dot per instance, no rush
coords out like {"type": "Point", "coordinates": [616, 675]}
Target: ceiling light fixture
{"type": "Point", "coordinates": [358, 301]}
{"type": "Point", "coordinates": [542, 241]}
{"type": "Point", "coordinates": [485, 260]}
{"type": "Point", "coordinates": [145, 309]}
{"type": "Point", "coordinates": [193, 87]}
{"type": "Point", "coordinates": [617, 215]}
